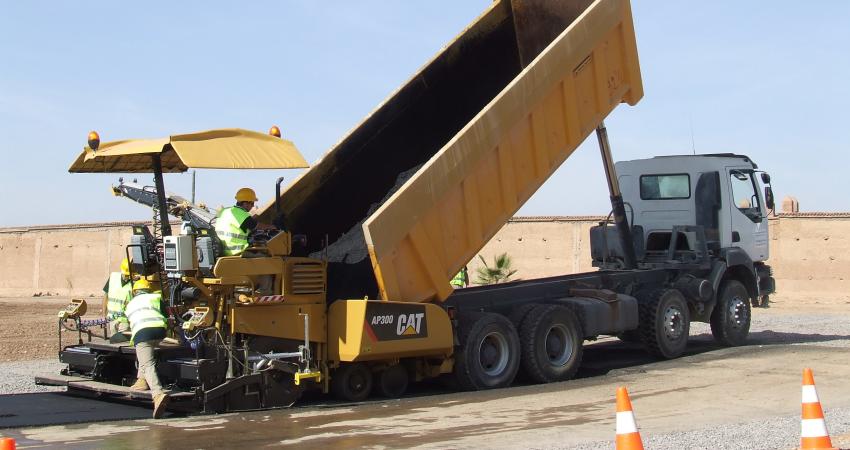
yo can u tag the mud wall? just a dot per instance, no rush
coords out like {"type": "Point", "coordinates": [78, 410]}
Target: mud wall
{"type": "Point", "coordinates": [60, 260]}
{"type": "Point", "coordinates": [810, 253]}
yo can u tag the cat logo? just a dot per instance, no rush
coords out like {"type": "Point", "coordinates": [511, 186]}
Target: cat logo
{"type": "Point", "coordinates": [387, 321]}
{"type": "Point", "coordinates": [409, 324]}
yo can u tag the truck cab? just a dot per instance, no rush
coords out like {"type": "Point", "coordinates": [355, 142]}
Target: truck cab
{"type": "Point", "coordinates": [718, 192]}
{"type": "Point", "coordinates": [704, 215]}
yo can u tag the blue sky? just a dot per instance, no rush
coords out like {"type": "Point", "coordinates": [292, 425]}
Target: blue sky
{"type": "Point", "coordinates": [767, 79]}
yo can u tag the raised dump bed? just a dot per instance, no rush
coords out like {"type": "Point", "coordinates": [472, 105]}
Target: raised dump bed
{"type": "Point", "coordinates": [478, 130]}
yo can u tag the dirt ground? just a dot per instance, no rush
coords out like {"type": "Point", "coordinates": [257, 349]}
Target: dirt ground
{"type": "Point", "coordinates": [29, 326]}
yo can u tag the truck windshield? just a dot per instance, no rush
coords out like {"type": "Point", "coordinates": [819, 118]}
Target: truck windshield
{"type": "Point", "coordinates": [744, 192]}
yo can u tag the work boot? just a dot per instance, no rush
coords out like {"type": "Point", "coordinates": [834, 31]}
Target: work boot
{"type": "Point", "coordinates": [160, 401]}
{"type": "Point", "coordinates": [140, 385]}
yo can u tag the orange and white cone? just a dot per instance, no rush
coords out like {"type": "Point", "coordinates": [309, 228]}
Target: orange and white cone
{"type": "Point", "coordinates": [813, 434]}
{"type": "Point", "coordinates": [7, 443]}
{"type": "Point", "coordinates": [628, 437]}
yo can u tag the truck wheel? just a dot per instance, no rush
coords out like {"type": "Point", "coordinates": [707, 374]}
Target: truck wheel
{"type": "Point", "coordinates": [488, 354]}
{"type": "Point", "coordinates": [351, 382]}
{"type": "Point", "coordinates": [517, 314]}
{"type": "Point", "coordinates": [551, 341]}
{"type": "Point", "coordinates": [664, 323]}
{"type": "Point", "coordinates": [392, 381]}
{"type": "Point", "coordinates": [730, 319]}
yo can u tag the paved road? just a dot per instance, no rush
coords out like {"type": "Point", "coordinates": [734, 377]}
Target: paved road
{"type": "Point", "coordinates": [51, 408]}
{"type": "Point", "coordinates": [711, 386]}
{"type": "Point", "coordinates": [42, 409]}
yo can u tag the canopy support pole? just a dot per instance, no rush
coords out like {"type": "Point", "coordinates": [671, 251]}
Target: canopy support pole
{"type": "Point", "coordinates": [165, 227]}
{"type": "Point", "coordinates": [160, 195]}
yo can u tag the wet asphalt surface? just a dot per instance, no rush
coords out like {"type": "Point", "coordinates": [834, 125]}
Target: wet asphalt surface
{"type": "Point", "coordinates": [59, 408]}
{"type": "Point", "coordinates": [63, 419]}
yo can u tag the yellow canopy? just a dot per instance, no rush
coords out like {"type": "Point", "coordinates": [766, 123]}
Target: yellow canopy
{"type": "Point", "coordinates": [230, 148]}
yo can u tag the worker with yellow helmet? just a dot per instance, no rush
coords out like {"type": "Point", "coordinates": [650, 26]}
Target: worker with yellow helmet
{"type": "Point", "coordinates": [235, 224]}
{"type": "Point", "coordinates": [148, 327]}
{"type": "Point", "coordinates": [118, 291]}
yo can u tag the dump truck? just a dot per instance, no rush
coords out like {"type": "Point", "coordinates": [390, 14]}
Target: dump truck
{"type": "Point", "coordinates": [371, 234]}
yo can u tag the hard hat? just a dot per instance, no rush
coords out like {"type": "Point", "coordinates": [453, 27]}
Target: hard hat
{"type": "Point", "coordinates": [141, 284]}
{"type": "Point", "coordinates": [246, 195]}
{"type": "Point", "coordinates": [125, 267]}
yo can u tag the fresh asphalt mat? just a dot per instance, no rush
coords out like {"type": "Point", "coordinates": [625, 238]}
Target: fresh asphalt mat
{"type": "Point", "coordinates": [57, 408]}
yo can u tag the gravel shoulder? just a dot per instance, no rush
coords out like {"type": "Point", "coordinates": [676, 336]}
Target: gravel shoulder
{"type": "Point", "coordinates": [18, 376]}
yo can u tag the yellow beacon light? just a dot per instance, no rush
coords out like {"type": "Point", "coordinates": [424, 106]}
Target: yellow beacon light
{"type": "Point", "coordinates": [274, 131]}
{"type": "Point", "coordinates": [94, 140]}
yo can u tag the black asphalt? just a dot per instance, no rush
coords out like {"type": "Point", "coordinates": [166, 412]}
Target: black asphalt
{"type": "Point", "coordinates": [56, 408]}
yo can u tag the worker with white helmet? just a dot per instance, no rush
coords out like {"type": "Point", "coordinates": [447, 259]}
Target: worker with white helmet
{"type": "Point", "coordinates": [119, 291]}
{"type": "Point", "coordinates": [148, 327]}
{"type": "Point", "coordinates": [233, 225]}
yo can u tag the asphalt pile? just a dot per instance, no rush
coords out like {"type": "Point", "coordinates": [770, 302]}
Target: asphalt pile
{"type": "Point", "coordinates": [350, 248]}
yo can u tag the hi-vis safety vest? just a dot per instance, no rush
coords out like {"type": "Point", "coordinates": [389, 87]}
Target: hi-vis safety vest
{"type": "Point", "coordinates": [143, 312]}
{"type": "Point", "coordinates": [117, 296]}
{"type": "Point", "coordinates": [227, 227]}
{"type": "Point", "coordinates": [460, 279]}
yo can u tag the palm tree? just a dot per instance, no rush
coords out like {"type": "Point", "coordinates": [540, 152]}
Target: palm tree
{"type": "Point", "coordinates": [500, 272]}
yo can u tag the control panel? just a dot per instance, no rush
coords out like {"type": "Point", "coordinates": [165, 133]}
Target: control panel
{"type": "Point", "coordinates": [178, 253]}
{"type": "Point", "coordinates": [75, 309]}
{"type": "Point", "coordinates": [201, 318]}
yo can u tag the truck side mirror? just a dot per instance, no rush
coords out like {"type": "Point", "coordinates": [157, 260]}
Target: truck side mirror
{"type": "Point", "coordinates": [765, 178]}
{"type": "Point", "coordinates": [768, 195]}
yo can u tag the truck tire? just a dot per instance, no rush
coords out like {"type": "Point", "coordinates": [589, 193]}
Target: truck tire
{"type": "Point", "coordinates": [551, 342]}
{"type": "Point", "coordinates": [664, 322]}
{"type": "Point", "coordinates": [488, 354]}
{"type": "Point", "coordinates": [517, 314]}
{"type": "Point", "coordinates": [392, 382]}
{"type": "Point", "coordinates": [351, 382]}
{"type": "Point", "coordinates": [730, 319]}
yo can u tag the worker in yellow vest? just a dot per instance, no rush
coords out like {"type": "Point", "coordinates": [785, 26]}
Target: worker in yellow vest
{"type": "Point", "coordinates": [461, 280]}
{"type": "Point", "coordinates": [233, 225]}
{"type": "Point", "coordinates": [147, 325]}
{"type": "Point", "coordinates": [119, 291]}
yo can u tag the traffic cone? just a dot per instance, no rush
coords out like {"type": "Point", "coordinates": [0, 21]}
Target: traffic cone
{"type": "Point", "coordinates": [628, 437]}
{"type": "Point", "coordinates": [7, 443]}
{"type": "Point", "coordinates": [813, 434]}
